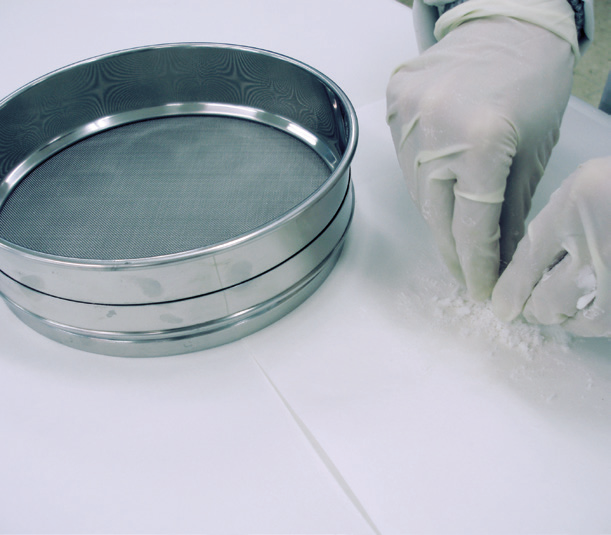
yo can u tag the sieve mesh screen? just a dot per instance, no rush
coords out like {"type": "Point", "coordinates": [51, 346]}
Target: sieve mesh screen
{"type": "Point", "coordinates": [160, 186]}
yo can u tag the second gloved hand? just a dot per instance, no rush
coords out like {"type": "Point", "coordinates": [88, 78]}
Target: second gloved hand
{"type": "Point", "coordinates": [561, 271]}
{"type": "Point", "coordinates": [474, 120]}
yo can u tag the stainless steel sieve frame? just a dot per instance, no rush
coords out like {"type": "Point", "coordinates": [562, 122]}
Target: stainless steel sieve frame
{"type": "Point", "coordinates": [63, 297]}
{"type": "Point", "coordinates": [202, 322]}
{"type": "Point", "coordinates": [131, 281]}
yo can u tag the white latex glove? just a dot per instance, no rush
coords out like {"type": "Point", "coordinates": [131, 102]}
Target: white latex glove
{"type": "Point", "coordinates": [561, 271]}
{"type": "Point", "coordinates": [474, 120]}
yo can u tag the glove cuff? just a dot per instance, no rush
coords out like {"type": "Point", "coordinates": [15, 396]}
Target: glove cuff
{"type": "Point", "coordinates": [577, 5]}
{"type": "Point", "coordinates": [557, 16]}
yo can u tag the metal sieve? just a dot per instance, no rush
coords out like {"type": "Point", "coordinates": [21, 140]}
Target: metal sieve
{"type": "Point", "coordinates": [167, 199]}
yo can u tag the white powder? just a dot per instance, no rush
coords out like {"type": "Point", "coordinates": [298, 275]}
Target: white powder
{"type": "Point", "coordinates": [477, 320]}
{"type": "Point", "coordinates": [586, 280]}
{"type": "Point", "coordinates": [544, 364]}
{"type": "Point", "coordinates": [448, 306]}
{"type": "Point", "coordinates": [585, 300]}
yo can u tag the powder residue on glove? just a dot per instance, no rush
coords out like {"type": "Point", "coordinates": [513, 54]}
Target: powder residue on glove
{"type": "Point", "coordinates": [586, 281]}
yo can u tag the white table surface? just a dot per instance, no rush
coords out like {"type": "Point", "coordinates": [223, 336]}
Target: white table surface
{"type": "Point", "coordinates": [385, 403]}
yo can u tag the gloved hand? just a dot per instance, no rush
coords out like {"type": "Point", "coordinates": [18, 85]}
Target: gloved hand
{"type": "Point", "coordinates": [561, 271]}
{"type": "Point", "coordinates": [474, 120]}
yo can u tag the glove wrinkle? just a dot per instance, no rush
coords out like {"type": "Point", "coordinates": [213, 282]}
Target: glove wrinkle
{"type": "Point", "coordinates": [408, 129]}
{"type": "Point", "coordinates": [556, 16]}
{"type": "Point", "coordinates": [492, 197]}
{"type": "Point", "coordinates": [426, 156]}
{"type": "Point", "coordinates": [561, 270]}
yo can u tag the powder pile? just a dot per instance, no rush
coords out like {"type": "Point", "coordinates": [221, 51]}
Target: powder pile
{"type": "Point", "coordinates": [448, 306]}
{"type": "Point", "coordinates": [477, 320]}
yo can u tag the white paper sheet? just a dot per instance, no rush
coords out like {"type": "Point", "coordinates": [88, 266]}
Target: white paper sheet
{"type": "Point", "coordinates": [441, 418]}
{"type": "Point", "coordinates": [384, 403]}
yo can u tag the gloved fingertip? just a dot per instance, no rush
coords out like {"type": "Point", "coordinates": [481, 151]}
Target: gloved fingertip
{"type": "Point", "coordinates": [503, 306]}
{"type": "Point", "coordinates": [538, 311]}
{"type": "Point", "coordinates": [479, 292]}
{"type": "Point", "coordinates": [481, 278]}
{"type": "Point", "coordinates": [529, 314]}
{"type": "Point", "coordinates": [591, 324]}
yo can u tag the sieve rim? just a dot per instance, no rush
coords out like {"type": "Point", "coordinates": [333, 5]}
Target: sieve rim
{"type": "Point", "coordinates": [337, 173]}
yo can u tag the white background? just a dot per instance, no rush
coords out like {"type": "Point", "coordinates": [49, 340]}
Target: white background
{"type": "Point", "coordinates": [386, 402]}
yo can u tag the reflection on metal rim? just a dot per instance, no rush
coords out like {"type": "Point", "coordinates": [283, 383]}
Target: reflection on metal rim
{"type": "Point", "coordinates": [167, 194]}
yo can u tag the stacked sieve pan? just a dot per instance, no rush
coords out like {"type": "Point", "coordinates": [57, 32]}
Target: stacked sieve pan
{"type": "Point", "coordinates": [171, 198]}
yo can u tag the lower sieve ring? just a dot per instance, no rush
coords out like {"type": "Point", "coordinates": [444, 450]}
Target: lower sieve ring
{"type": "Point", "coordinates": [251, 305]}
{"type": "Point", "coordinates": [195, 338]}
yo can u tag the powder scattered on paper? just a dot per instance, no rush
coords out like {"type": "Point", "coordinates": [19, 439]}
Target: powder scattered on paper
{"type": "Point", "coordinates": [448, 306]}
{"type": "Point", "coordinates": [542, 363]}
{"type": "Point", "coordinates": [477, 320]}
